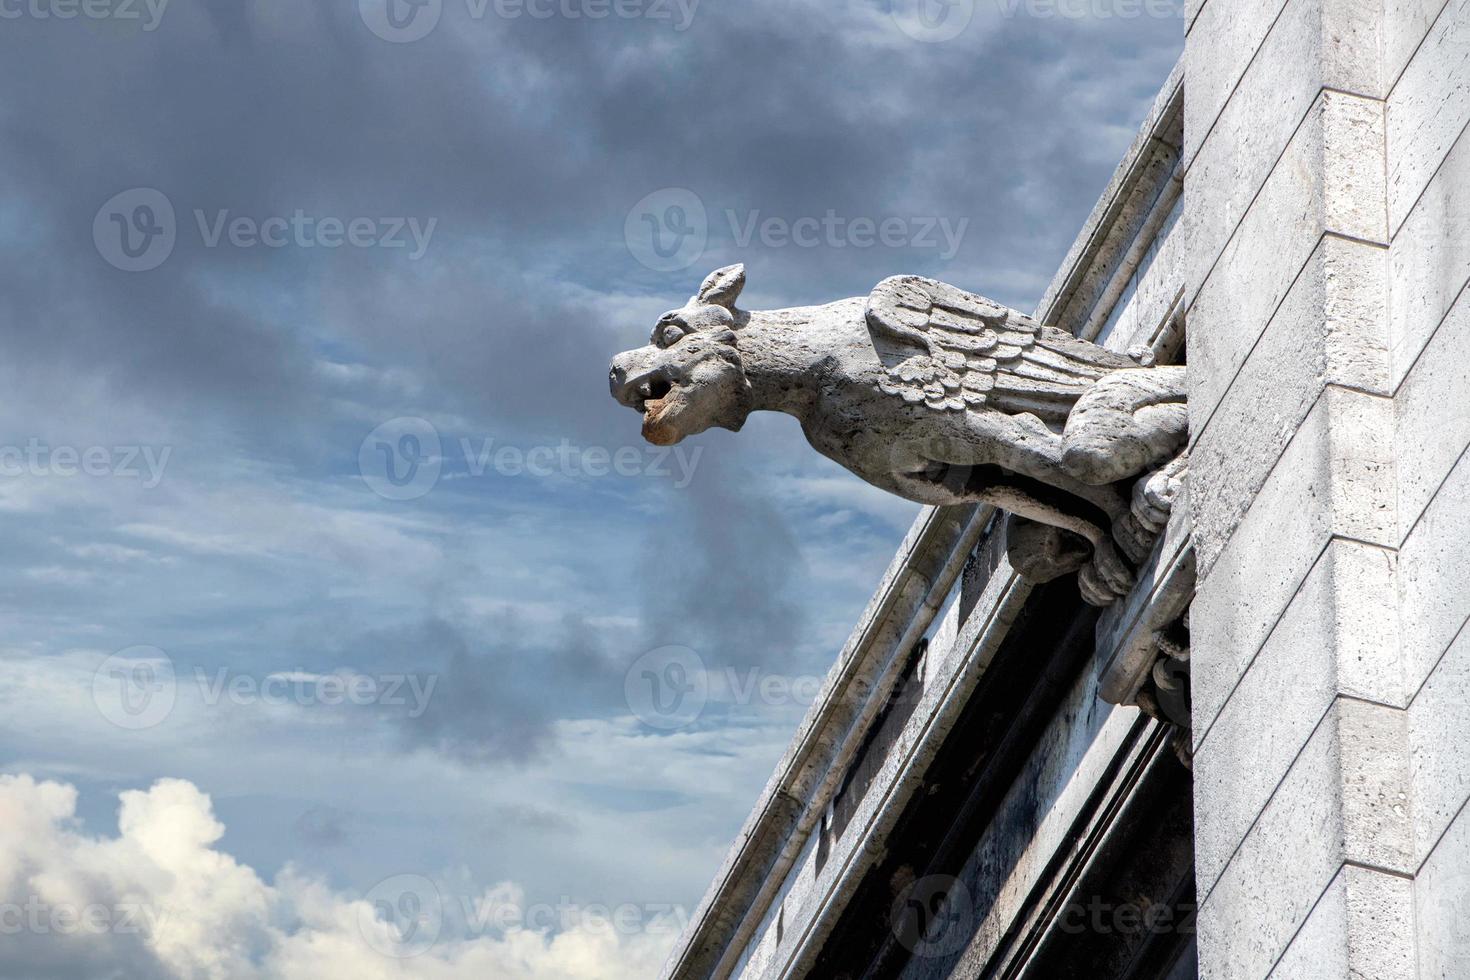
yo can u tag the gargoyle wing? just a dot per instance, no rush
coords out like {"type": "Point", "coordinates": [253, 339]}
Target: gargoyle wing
{"type": "Point", "coordinates": [942, 345]}
{"type": "Point", "coordinates": [952, 350]}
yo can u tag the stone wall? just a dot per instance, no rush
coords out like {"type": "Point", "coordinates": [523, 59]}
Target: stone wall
{"type": "Point", "coordinates": [1327, 193]}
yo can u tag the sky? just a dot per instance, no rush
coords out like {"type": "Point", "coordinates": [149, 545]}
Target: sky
{"type": "Point", "coordinates": [337, 588]}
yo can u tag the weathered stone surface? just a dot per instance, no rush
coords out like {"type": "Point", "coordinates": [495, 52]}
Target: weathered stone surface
{"type": "Point", "coordinates": [1373, 911]}
{"type": "Point", "coordinates": [1405, 25]}
{"type": "Point", "coordinates": [1439, 725]}
{"type": "Point", "coordinates": [1129, 634]}
{"type": "Point", "coordinates": [1426, 416]}
{"type": "Point", "coordinates": [1303, 198]}
{"type": "Point", "coordinates": [934, 394]}
{"type": "Point", "coordinates": [1325, 43]}
{"type": "Point", "coordinates": [1433, 599]}
{"type": "Point", "coordinates": [1442, 906]}
{"type": "Point", "coordinates": [1253, 130]}
{"type": "Point", "coordinates": [1235, 31]}
{"type": "Point", "coordinates": [1283, 697]}
{"type": "Point", "coordinates": [1281, 868]}
{"type": "Point", "coordinates": [1428, 108]}
{"type": "Point", "coordinates": [1331, 328]}
{"type": "Point", "coordinates": [1344, 799]}
{"type": "Point", "coordinates": [1334, 478]}
{"type": "Point", "coordinates": [1430, 259]}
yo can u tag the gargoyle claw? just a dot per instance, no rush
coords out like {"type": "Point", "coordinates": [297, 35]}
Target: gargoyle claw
{"type": "Point", "coordinates": [1153, 494]}
{"type": "Point", "coordinates": [1105, 578]}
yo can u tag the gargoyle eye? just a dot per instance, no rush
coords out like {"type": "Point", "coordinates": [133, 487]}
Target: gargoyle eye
{"type": "Point", "coordinates": [668, 333]}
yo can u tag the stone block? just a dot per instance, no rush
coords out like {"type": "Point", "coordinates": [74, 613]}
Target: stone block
{"type": "Point", "coordinates": [1433, 598]}
{"type": "Point", "coordinates": [1275, 878]}
{"type": "Point", "coordinates": [1428, 108]}
{"type": "Point", "coordinates": [1343, 800]}
{"type": "Point", "coordinates": [1442, 906]}
{"type": "Point", "coordinates": [1405, 24]}
{"type": "Point", "coordinates": [1218, 49]}
{"type": "Point", "coordinates": [1432, 413]}
{"type": "Point", "coordinates": [1361, 928]}
{"type": "Point", "coordinates": [1229, 41]}
{"type": "Point", "coordinates": [1304, 197]}
{"type": "Point", "coordinates": [1429, 260]}
{"type": "Point", "coordinates": [1334, 478]}
{"type": "Point", "coordinates": [1336, 635]}
{"type": "Point", "coordinates": [1329, 329]}
{"type": "Point", "coordinates": [1439, 728]}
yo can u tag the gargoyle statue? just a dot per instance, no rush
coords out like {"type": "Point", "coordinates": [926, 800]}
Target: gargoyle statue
{"type": "Point", "coordinates": [942, 397]}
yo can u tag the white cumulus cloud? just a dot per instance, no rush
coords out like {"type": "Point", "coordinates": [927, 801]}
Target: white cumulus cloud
{"type": "Point", "coordinates": [160, 900]}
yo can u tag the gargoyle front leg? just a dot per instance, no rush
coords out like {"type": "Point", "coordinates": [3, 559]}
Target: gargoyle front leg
{"type": "Point", "coordinates": [1127, 423]}
{"type": "Point", "coordinates": [1027, 478]}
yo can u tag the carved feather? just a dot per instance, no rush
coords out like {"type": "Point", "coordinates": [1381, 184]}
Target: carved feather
{"type": "Point", "coordinates": [942, 345]}
{"type": "Point", "coordinates": [954, 350]}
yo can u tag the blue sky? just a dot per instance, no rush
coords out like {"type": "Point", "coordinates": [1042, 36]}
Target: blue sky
{"type": "Point", "coordinates": [374, 235]}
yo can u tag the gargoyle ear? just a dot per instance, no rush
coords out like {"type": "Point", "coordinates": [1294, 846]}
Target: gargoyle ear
{"type": "Point", "coordinates": [722, 287]}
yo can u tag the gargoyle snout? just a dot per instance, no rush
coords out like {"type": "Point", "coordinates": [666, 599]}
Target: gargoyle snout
{"type": "Point", "coordinates": [633, 382]}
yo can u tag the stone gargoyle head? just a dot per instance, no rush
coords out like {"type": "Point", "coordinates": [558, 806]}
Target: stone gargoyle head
{"type": "Point", "coordinates": [690, 376]}
{"type": "Point", "coordinates": [943, 397]}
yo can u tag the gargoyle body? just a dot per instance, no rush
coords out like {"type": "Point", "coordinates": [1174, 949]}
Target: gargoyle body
{"type": "Point", "coordinates": [942, 397]}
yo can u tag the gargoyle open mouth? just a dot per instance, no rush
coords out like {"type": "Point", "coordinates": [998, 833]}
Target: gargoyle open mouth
{"type": "Point", "coordinates": [651, 397]}
{"type": "Point", "coordinates": [652, 393]}
{"type": "Point", "coordinates": [658, 397]}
